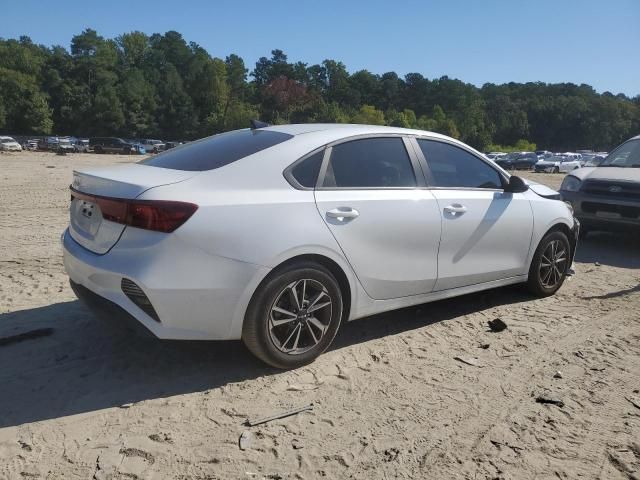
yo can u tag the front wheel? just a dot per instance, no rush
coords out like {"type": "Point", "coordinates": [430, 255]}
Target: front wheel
{"type": "Point", "coordinates": [293, 316]}
{"type": "Point", "coordinates": [556, 170]}
{"type": "Point", "coordinates": [549, 265]}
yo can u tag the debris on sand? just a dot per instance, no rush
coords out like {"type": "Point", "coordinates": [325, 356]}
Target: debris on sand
{"type": "Point", "coordinates": [21, 337]}
{"type": "Point", "coordinates": [633, 401]}
{"type": "Point", "coordinates": [497, 325]}
{"type": "Point", "coordinates": [550, 401]}
{"type": "Point", "coordinates": [468, 360]}
{"type": "Point", "coordinates": [245, 440]}
{"type": "Point", "coordinates": [558, 374]}
{"type": "Point", "coordinates": [287, 413]}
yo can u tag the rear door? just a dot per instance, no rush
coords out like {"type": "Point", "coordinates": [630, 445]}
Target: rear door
{"type": "Point", "coordinates": [372, 198]}
{"type": "Point", "coordinates": [486, 232]}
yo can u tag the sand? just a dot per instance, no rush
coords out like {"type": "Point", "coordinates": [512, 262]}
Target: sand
{"type": "Point", "coordinates": [89, 400]}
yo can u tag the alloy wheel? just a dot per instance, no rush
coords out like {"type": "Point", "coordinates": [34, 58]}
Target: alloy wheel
{"type": "Point", "coordinates": [300, 316]}
{"type": "Point", "coordinates": [553, 264]}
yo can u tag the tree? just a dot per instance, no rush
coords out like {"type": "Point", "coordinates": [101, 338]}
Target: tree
{"type": "Point", "coordinates": [369, 115]}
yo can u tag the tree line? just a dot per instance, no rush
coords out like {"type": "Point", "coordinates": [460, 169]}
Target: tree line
{"type": "Point", "coordinates": [159, 85]}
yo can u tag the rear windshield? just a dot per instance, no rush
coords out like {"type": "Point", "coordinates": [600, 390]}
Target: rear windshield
{"type": "Point", "coordinates": [217, 151]}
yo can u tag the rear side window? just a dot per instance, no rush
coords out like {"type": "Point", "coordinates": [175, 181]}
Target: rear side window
{"type": "Point", "coordinates": [370, 163]}
{"type": "Point", "coordinates": [306, 172]}
{"type": "Point", "coordinates": [454, 167]}
{"type": "Point", "coordinates": [217, 151]}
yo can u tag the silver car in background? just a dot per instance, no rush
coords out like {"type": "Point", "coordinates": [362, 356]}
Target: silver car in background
{"type": "Point", "coordinates": [276, 235]}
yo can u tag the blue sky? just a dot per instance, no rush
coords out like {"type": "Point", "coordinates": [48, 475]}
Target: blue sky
{"type": "Point", "coordinates": [478, 41]}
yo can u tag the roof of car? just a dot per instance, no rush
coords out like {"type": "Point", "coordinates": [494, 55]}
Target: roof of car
{"type": "Point", "coordinates": [344, 129]}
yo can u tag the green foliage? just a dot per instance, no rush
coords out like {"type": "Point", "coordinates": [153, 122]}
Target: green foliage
{"type": "Point", "coordinates": [369, 115]}
{"type": "Point", "coordinates": [162, 86]}
{"type": "Point", "coordinates": [520, 146]}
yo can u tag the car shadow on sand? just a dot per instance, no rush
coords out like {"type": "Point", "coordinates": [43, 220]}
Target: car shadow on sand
{"type": "Point", "coordinates": [84, 364]}
{"type": "Point", "coordinates": [608, 248]}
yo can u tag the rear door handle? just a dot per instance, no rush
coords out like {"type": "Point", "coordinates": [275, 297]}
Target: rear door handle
{"type": "Point", "coordinates": [343, 213]}
{"type": "Point", "coordinates": [455, 209]}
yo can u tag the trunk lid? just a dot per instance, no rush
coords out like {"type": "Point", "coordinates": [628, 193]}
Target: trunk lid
{"type": "Point", "coordinates": [87, 225]}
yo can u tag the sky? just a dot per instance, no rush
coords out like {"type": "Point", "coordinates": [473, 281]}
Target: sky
{"type": "Point", "coordinates": [478, 41]}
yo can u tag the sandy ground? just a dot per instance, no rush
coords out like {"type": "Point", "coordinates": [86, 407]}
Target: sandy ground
{"type": "Point", "coordinates": [389, 399]}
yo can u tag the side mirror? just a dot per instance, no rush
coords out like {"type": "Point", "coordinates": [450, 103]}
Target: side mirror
{"type": "Point", "coordinates": [516, 185]}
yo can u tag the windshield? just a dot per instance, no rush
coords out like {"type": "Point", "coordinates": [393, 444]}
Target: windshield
{"type": "Point", "coordinates": [7, 140]}
{"type": "Point", "coordinates": [625, 156]}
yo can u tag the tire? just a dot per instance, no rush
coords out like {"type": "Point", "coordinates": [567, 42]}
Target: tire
{"type": "Point", "coordinates": [274, 344]}
{"type": "Point", "coordinates": [545, 281]}
{"type": "Point", "coordinates": [98, 149]}
{"type": "Point", "coordinates": [556, 170]}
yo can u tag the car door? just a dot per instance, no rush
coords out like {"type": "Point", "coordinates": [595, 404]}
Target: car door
{"type": "Point", "coordinates": [371, 196]}
{"type": "Point", "coordinates": [486, 232]}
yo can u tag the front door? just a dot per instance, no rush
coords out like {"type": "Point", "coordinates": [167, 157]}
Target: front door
{"type": "Point", "coordinates": [486, 232]}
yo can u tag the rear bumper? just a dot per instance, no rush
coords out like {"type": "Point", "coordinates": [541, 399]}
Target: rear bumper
{"type": "Point", "coordinates": [197, 296]}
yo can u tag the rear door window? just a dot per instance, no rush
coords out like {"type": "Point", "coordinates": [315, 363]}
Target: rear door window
{"type": "Point", "coordinates": [217, 151]}
{"type": "Point", "coordinates": [370, 163]}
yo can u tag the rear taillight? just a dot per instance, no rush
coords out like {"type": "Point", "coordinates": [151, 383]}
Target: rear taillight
{"type": "Point", "coordinates": [158, 215]}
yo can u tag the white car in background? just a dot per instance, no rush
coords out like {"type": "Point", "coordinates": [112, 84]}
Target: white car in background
{"type": "Point", "coordinates": [8, 144]}
{"type": "Point", "coordinates": [558, 164]}
{"type": "Point", "coordinates": [276, 235]}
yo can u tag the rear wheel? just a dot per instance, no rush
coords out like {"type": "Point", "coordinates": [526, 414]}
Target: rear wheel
{"type": "Point", "coordinates": [556, 170]}
{"type": "Point", "coordinates": [293, 316]}
{"type": "Point", "coordinates": [549, 265]}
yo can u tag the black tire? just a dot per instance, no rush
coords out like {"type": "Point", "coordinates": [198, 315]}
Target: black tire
{"type": "Point", "coordinates": [260, 335]}
{"type": "Point", "coordinates": [545, 281]}
{"type": "Point", "coordinates": [556, 170]}
{"type": "Point", "coordinates": [98, 149]}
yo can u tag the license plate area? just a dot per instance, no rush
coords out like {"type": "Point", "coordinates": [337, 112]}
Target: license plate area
{"type": "Point", "coordinates": [85, 216]}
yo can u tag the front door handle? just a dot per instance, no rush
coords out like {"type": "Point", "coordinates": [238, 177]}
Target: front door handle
{"type": "Point", "coordinates": [343, 213]}
{"type": "Point", "coordinates": [455, 209]}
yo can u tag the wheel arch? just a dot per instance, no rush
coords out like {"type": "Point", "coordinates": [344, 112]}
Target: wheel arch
{"type": "Point", "coordinates": [339, 269]}
{"type": "Point", "coordinates": [336, 270]}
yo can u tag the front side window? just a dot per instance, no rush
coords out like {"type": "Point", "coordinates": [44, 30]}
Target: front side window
{"type": "Point", "coordinates": [453, 167]}
{"type": "Point", "coordinates": [217, 151]}
{"type": "Point", "coordinates": [370, 163]}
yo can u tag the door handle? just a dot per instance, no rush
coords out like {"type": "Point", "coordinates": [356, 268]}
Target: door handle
{"type": "Point", "coordinates": [456, 208]}
{"type": "Point", "coordinates": [343, 213]}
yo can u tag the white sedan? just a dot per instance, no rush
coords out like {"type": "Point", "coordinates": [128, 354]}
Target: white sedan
{"type": "Point", "coordinates": [557, 164]}
{"type": "Point", "coordinates": [8, 144]}
{"type": "Point", "coordinates": [276, 235]}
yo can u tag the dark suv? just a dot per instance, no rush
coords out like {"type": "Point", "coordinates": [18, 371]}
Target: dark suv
{"type": "Point", "coordinates": [518, 161]}
{"type": "Point", "coordinates": [607, 197]}
{"type": "Point", "coordinates": [111, 145]}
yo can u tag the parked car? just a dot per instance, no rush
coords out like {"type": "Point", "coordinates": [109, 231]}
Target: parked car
{"type": "Point", "coordinates": [65, 145]}
{"type": "Point", "coordinates": [112, 145]}
{"type": "Point", "coordinates": [81, 145]}
{"type": "Point", "coordinates": [495, 155]}
{"type": "Point", "coordinates": [518, 161]}
{"type": "Point", "coordinates": [31, 144]}
{"type": "Point", "coordinates": [169, 145]}
{"type": "Point", "coordinates": [276, 235]}
{"type": "Point", "coordinates": [557, 163]}
{"type": "Point", "coordinates": [152, 146]}
{"type": "Point", "coordinates": [49, 144]}
{"type": "Point", "coordinates": [8, 144]}
{"type": "Point", "coordinates": [595, 160]}
{"type": "Point", "coordinates": [607, 197]}
{"type": "Point", "coordinates": [544, 154]}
